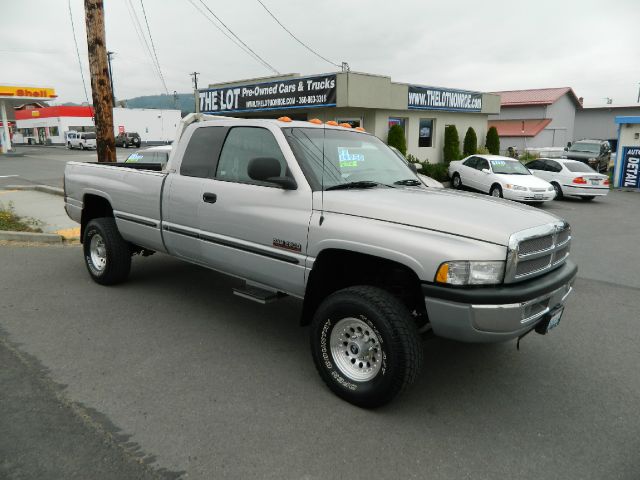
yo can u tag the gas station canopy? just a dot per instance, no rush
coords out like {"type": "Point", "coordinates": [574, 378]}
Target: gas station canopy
{"type": "Point", "coordinates": [14, 95]}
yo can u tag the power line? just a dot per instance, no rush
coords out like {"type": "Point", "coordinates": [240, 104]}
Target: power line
{"type": "Point", "coordinates": [75, 40]}
{"type": "Point", "coordinates": [154, 48]}
{"type": "Point", "coordinates": [298, 40]}
{"type": "Point", "coordinates": [141, 38]}
{"type": "Point", "coordinates": [242, 44]}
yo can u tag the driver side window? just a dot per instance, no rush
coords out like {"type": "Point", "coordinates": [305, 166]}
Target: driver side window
{"type": "Point", "coordinates": [242, 145]}
{"type": "Point", "coordinates": [482, 163]}
{"type": "Point", "coordinates": [471, 162]}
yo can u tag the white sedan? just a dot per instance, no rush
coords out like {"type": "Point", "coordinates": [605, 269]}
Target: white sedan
{"type": "Point", "coordinates": [500, 177]}
{"type": "Point", "coordinates": [570, 177]}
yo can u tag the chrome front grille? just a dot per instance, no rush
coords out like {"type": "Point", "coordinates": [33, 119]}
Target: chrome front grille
{"type": "Point", "coordinates": [537, 250]}
{"type": "Point", "coordinates": [535, 245]}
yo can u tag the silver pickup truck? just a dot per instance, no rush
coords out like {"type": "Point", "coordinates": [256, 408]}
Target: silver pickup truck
{"type": "Point", "coordinates": [331, 216]}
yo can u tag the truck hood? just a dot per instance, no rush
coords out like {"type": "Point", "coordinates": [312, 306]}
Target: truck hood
{"type": "Point", "coordinates": [458, 213]}
{"type": "Point", "coordinates": [580, 155]}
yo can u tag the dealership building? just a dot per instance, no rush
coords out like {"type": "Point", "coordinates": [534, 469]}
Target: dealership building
{"type": "Point", "coordinates": [373, 102]}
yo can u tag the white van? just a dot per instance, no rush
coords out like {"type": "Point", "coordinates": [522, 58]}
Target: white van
{"type": "Point", "coordinates": [82, 140]}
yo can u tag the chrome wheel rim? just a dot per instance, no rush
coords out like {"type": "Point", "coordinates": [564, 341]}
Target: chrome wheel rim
{"type": "Point", "coordinates": [356, 349]}
{"type": "Point", "coordinates": [456, 181]}
{"type": "Point", "coordinates": [495, 192]}
{"type": "Point", "coordinates": [98, 252]}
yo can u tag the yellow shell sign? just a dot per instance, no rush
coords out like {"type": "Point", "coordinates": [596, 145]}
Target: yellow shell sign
{"type": "Point", "coordinates": [13, 91]}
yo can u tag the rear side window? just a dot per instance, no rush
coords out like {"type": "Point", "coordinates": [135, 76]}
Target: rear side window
{"type": "Point", "coordinates": [202, 152]}
{"type": "Point", "coordinates": [242, 145]}
{"type": "Point", "coordinates": [535, 165]}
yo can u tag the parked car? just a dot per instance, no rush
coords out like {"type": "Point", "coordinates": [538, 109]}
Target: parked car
{"type": "Point", "coordinates": [153, 155]}
{"type": "Point", "coordinates": [81, 140]}
{"type": "Point", "coordinates": [595, 153]}
{"type": "Point", "coordinates": [128, 139]}
{"type": "Point", "coordinates": [500, 177]}
{"type": "Point", "coordinates": [428, 181]}
{"type": "Point", "coordinates": [570, 177]}
{"type": "Point", "coordinates": [331, 216]}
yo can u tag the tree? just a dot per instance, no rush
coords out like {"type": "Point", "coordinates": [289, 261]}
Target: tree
{"type": "Point", "coordinates": [396, 139]}
{"type": "Point", "coordinates": [470, 146]}
{"type": "Point", "coordinates": [493, 141]}
{"type": "Point", "coordinates": [451, 148]}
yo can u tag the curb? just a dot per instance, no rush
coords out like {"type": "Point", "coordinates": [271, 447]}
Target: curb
{"type": "Point", "coordinates": [38, 188]}
{"type": "Point", "coordinates": [11, 236]}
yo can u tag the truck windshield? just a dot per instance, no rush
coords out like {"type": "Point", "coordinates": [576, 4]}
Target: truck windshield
{"type": "Point", "coordinates": [509, 167]}
{"type": "Point", "coordinates": [348, 157]}
{"type": "Point", "coordinates": [585, 147]}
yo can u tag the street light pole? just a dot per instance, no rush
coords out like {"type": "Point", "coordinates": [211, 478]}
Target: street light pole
{"type": "Point", "coordinates": [113, 93]}
{"type": "Point", "coordinates": [195, 90]}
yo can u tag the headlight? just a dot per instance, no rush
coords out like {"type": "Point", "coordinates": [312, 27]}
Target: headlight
{"type": "Point", "coordinates": [550, 189]}
{"type": "Point", "coordinates": [516, 187]}
{"type": "Point", "coordinates": [465, 272]}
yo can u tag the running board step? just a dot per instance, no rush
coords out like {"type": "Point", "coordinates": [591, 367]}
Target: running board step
{"type": "Point", "coordinates": [257, 294]}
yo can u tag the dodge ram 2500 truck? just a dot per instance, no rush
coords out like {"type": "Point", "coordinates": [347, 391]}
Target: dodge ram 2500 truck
{"type": "Point", "coordinates": [331, 216]}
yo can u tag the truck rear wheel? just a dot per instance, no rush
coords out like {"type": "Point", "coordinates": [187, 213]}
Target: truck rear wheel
{"type": "Point", "coordinates": [365, 345]}
{"type": "Point", "coordinates": [106, 254]}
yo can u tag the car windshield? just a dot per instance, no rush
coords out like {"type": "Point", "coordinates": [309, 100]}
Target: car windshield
{"type": "Point", "coordinates": [132, 134]}
{"type": "Point", "coordinates": [579, 167]}
{"type": "Point", "coordinates": [585, 147]}
{"type": "Point", "coordinates": [509, 167]}
{"type": "Point", "coordinates": [350, 157]}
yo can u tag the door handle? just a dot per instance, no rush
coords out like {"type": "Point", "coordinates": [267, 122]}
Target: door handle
{"type": "Point", "coordinates": [209, 197]}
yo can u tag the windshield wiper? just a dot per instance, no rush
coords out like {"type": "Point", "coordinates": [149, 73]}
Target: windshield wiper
{"type": "Point", "coordinates": [410, 182]}
{"type": "Point", "coordinates": [359, 184]}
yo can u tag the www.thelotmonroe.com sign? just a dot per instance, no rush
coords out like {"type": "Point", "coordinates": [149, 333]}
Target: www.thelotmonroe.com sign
{"type": "Point", "coordinates": [286, 94]}
{"type": "Point", "coordinates": [429, 98]}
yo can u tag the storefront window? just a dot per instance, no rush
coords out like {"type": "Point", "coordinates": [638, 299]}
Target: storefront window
{"type": "Point", "coordinates": [425, 134]}
{"type": "Point", "coordinates": [398, 121]}
{"type": "Point", "coordinates": [354, 122]}
{"type": "Point", "coordinates": [53, 131]}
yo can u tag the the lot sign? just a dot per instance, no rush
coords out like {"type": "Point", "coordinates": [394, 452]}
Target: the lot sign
{"type": "Point", "coordinates": [630, 167]}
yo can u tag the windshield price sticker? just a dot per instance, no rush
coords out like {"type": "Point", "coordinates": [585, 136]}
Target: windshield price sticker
{"type": "Point", "coordinates": [348, 159]}
{"type": "Point", "coordinates": [498, 162]}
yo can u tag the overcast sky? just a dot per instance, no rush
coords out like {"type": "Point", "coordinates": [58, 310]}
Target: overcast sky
{"type": "Point", "coordinates": [592, 46]}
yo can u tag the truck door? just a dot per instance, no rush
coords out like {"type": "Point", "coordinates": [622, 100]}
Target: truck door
{"type": "Point", "coordinates": [182, 194]}
{"type": "Point", "coordinates": [250, 227]}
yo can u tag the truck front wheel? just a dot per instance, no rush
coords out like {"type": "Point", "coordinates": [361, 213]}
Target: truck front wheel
{"type": "Point", "coordinates": [106, 254]}
{"type": "Point", "coordinates": [365, 345]}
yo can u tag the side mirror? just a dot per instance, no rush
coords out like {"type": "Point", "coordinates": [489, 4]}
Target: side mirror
{"type": "Point", "coordinates": [566, 149]}
{"type": "Point", "coordinates": [286, 183]}
{"type": "Point", "coordinates": [412, 167]}
{"type": "Point", "coordinates": [486, 170]}
{"type": "Point", "coordinates": [267, 169]}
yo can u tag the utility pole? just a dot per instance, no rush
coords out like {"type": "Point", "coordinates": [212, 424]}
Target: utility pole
{"type": "Point", "coordinates": [194, 75]}
{"type": "Point", "coordinates": [113, 93]}
{"type": "Point", "coordinates": [102, 94]}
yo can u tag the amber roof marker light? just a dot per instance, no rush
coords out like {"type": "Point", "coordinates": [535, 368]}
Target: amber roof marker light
{"type": "Point", "coordinates": [316, 121]}
{"type": "Point", "coordinates": [332, 123]}
{"type": "Point", "coordinates": [284, 119]}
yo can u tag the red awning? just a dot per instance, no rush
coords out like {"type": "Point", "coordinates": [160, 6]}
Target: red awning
{"type": "Point", "coordinates": [520, 128]}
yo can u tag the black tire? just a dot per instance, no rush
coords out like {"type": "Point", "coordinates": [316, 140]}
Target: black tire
{"type": "Point", "coordinates": [124, 144]}
{"type": "Point", "coordinates": [456, 181]}
{"type": "Point", "coordinates": [496, 189]}
{"type": "Point", "coordinates": [117, 252]}
{"type": "Point", "coordinates": [82, 147]}
{"type": "Point", "coordinates": [588, 198]}
{"type": "Point", "coordinates": [558, 189]}
{"type": "Point", "coordinates": [400, 355]}
{"type": "Point", "coordinates": [69, 145]}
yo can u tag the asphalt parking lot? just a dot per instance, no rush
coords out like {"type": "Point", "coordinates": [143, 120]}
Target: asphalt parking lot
{"type": "Point", "coordinates": [170, 375]}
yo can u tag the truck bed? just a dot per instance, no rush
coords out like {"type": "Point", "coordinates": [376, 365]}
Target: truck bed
{"type": "Point", "coordinates": [133, 190]}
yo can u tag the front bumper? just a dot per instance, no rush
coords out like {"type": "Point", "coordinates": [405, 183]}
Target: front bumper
{"type": "Point", "coordinates": [496, 314]}
{"type": "Point", "coordinates": [527, 196]}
